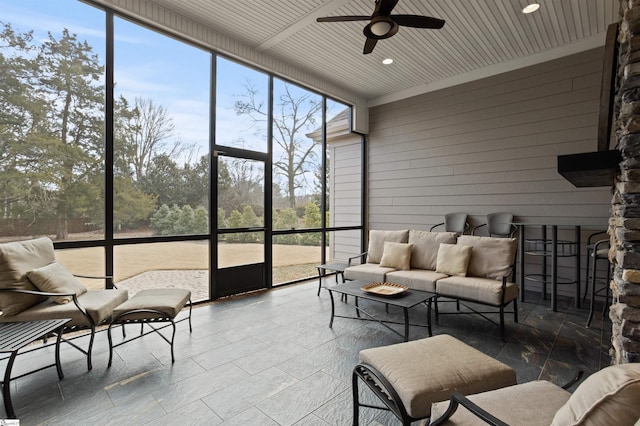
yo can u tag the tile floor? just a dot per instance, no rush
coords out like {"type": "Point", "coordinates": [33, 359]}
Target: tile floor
{"type": "Point", "coordinates": [271, 359]}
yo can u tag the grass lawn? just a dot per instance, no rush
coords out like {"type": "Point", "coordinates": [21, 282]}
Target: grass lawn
{"type": "Point", "coordinates": [290, 262]}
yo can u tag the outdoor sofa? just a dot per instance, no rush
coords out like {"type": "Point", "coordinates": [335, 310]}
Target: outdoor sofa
{"type": "Point", "coordinates": [464, 268]}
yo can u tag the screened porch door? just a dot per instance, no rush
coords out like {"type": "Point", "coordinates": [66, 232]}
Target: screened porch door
{"type": "Point", "coordinates": [241, 231]}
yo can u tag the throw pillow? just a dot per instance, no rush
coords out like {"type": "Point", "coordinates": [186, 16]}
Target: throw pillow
{"type": "Point", "coordinates": [396, 255]}
{"type": "Point", "coordinates": [425, 247]}
{"type": "Point", "coordinates": [16, 259]}
{"type": "Point", "coordinates": [377, 240]}
{"type": "Point", "coordinates": [54, 278]}
{"type": "Point", "coordinates": [453, 259]}
{"type": "Point", "coordinates": [492, 257]}
{"type": "Point", "coordinates": [607, 397]}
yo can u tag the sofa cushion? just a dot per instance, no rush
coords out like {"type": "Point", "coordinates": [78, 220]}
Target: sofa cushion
{"type": "Point", "coordinates": [99, 304]}
{"type": "Point", "coordinates": [484, 290]}
{"type": "Point", "coordinates": [396, 255]}
{"type": "Point", "coordinates": [16, 259]}
{"type": "Point", "coordinates": [491, 257]}
{"type": "Point", "coordinates": [607, 397]}
{"type": "Point", "coordinates": [425, 247]}
{"type": "Point", "coordinates": [417, 279]}
{"type": "Point", "coordinates": [54, 278]}
{"type": "Point", "coordinates": [453, 259]}
{"type": "Point", "coordinates": [536, 403]}
{"type": "Point", "coordinates": [370, 272]}
{"type": "Point", "coordinates": [428, 370]}
{"type": "Point", "coordinates": [377, 240]}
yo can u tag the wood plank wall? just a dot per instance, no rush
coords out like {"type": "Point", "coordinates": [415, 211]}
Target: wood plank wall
{"type": "Point", "coordinates": [489, 146]}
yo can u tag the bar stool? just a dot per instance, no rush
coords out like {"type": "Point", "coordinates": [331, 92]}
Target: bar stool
{"type": "Point", "coordinates": [598, 251]}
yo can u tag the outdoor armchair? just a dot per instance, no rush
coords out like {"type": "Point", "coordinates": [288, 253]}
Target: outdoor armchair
{"type": "Point", "coordinates": [33, 286]}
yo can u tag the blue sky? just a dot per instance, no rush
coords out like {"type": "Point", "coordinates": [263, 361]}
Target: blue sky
{"type": "Point", "coordinates": [151, 65]}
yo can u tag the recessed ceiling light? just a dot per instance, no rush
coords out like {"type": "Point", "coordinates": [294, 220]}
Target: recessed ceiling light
{"type": "Point", "coordinates": [387, 61]}
{"type": "Point", "coordinates": [531, 8]}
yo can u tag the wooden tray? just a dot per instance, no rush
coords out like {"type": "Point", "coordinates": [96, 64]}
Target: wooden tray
{"type": "Point", "coordinates": [384, 289]}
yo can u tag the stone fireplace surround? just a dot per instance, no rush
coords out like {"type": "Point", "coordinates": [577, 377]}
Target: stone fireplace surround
{"type": "Point", "coordinates": [624, 224]}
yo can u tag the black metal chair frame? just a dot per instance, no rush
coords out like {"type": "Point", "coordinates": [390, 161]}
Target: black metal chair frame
{"type": "Point", "coordinates": [501, 308]}
{"type": "Point", "coordinates": [466, 227]}
{"type": "Point", "coordinates": [163, 318]}
{"type": "Point", "coordinates": [458, 399]}
{"type": "Point", "coordinates": [91, 325]}
{"type": "Point", "coordinates": [381, 387]}
{"type": "Point", "coordinates": [594, 267]}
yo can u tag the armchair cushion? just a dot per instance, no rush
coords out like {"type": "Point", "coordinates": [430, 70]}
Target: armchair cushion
{"type": "Point", "coordinates": [610, 396]}
{"type": "Point", "coordinates": [527, 404]}
{"type": "Point", "coordinates": [491, 257]}
{"type": "Point", "coordinates": [396, 255]}
{"type": "Point", "coordinates": [16, 259]}
{"type": "Point", "coordinates": [54, 278]}
{"type": "Point", "coordinates": [483, 290]}
{"type": "Point", "coordinates": [377, 240]}
{"type": "Point", "coordinates": [453, 259]}
{"type": "Point", "coordinates": [425, 247]}
{"type": "Point", "coordinates": [98, 304]}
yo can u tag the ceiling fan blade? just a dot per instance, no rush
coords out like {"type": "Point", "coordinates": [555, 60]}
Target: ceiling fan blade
{"type": "Point", "coordinates": [384, 7]}
{"type": "Point", "coordinates": [417, 21]}
{"type": "Point", "coordinates": [369, 45]}
{"type": "Point", "coordinates": [343, 18]}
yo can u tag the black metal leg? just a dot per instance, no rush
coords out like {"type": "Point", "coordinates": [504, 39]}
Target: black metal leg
{"type": "Point", "coordinates": [58, 365]}
{"type": "Point", "coordinates": [356, 402]}
{"type": "Point", "coordinates": [6, 386]}
{"type": "Point", "coordinates": [110, 345]}
{"type": "Point", "coordinates": [577, 239]}
{"type": "Point", "coordinates": [357, 310]}
{"type": "Point", "coordinates": [333, 309]}
{"type": "Point", "coordinates": [521, 259]}
{"type": "Point", "coordinates": [429, 317]}
{"type": "Point", "coordinates": [173, 336]}
{"type": "Point", "coordinates": [406, 324]}
{"type": "Point", "coordinates": [554, 268]}
{"type": "Point", "coordinates": [319, 281]}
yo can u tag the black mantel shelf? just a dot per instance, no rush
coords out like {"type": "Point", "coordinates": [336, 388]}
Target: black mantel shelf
{"type": "Point", "coordinates": [590, 169]}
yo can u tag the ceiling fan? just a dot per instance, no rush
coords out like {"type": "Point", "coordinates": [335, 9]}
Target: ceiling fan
{"type": "Point", "coordinates": [382, 24]}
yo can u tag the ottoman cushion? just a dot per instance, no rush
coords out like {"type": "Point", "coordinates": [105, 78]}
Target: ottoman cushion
{"type": "Point", "coordinates": [428, 370]}
{"type": "Point", "coordinates": [167, 300]}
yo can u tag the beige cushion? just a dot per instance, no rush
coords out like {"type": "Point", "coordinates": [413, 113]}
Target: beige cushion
{"type": "Point", "coordinates": [453, 259]}
{"type": "Point", "coordinates": [377, 240]}
{"type": "Point", "coordinates": [99, 304]}
{"type": "Point", "coordinates": [483, 290]}
{"type": "Point", "coordinates": [428, 370]}
{"type": "Point", "coordinates": [425, 247]}
{"type": "Point", "coordinates": [396, 255]}
{"type": "Point", "coordinates": [491, 257]}
{"type": "Point", "coordinates": [609, 397]}
{"type": "Point", "coordinates": [371, 272]}
{"type": "Point", "coordinates": [417, 279]}
{"type": "Point", "coordinates": [54, 278]}
{"type": "Point", "coordinates": [529, 404]}
{"type": "Point", "coordinates": [167, 300]}
{"type": "Point", "coordinates": [16, 259]}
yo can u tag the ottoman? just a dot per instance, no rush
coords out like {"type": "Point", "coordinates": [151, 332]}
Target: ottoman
{"type": "Point", "coordinates": [147, 307]}
{"type": "Point", "coordinates": [408, 377]}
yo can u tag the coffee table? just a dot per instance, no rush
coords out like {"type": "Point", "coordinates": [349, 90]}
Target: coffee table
{"type": "Point", "coordinates": [405, 300]}
{"type": "Point", "coordinates": [15, 336]}
{"type": "Point", "coordinates": [337, 267]}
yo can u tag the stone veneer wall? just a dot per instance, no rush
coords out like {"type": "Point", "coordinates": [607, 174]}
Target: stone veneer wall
{"type": "Point", "coordinates": [624, 226]}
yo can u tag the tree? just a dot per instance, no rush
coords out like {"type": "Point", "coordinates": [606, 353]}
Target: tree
{"type": "Point", "coordinates": [68, 78]}
{"type": "Point", "coordinates": [146, 130]}
{"type": "Point", "coordinates": [294, 114]}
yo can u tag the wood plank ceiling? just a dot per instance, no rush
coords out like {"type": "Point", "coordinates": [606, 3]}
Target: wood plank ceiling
{"type": "Point", "coordinates": [488, 35]}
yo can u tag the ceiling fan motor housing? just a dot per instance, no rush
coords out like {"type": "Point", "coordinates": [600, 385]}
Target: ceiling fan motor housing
{"type": "Point", "coordinates": [380, 27]}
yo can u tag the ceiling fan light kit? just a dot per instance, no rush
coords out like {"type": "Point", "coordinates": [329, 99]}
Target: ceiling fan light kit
{"type": "Point", "coordinates": [382, 24]}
